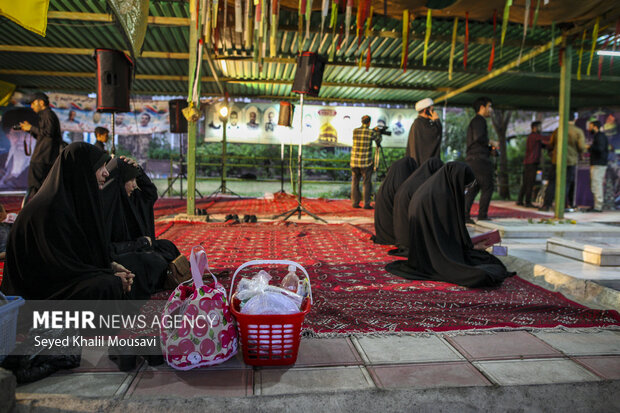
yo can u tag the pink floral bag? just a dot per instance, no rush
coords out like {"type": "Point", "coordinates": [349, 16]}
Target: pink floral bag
{"type": "Point", "coordinates": [197, 328]}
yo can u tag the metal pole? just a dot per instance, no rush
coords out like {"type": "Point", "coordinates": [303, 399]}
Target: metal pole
{"type": "Point", "coordinates": [224, 156]}
{"type": "Point", "coordinates": [560, 166]}
{"type": "Point", "coordinates": [192, 127]}
{"type": "Point", "coordinates": [113, 148]}
{"type": "Point", "coordinates": [301, 139]}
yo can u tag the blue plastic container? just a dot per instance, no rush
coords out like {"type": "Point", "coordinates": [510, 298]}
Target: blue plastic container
{"type": "Point", "coordinates": [9, 308]}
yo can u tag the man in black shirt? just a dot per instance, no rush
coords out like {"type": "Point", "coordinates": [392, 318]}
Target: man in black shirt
{"type": "Point", "coordinates": [425, 133]}
{"type": "Point", "coordinates": [48, 136]}
{"type": "Point", "coordinates": [599, 151]}
{"type": "Point", "coordinates": [478, 157]}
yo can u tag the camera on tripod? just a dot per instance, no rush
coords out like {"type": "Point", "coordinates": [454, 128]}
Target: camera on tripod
{"type": "Point", "coordinates": [383, 130]}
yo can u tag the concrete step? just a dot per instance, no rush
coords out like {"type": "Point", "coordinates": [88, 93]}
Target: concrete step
{"type": "Point", "coordinates": [596, 396]}
{"type": "Point", "coordinates": [593, 250]}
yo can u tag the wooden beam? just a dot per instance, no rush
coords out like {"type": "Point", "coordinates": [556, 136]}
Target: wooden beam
{"type": "Point", "coordinates": [105, 17]}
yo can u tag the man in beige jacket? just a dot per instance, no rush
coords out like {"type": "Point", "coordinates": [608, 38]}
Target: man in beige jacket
{"type": "Point", "coordinates": [575, 146]}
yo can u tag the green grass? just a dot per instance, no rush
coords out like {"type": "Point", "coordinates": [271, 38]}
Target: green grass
{"type": "Point", "coordinates": [334, 190]}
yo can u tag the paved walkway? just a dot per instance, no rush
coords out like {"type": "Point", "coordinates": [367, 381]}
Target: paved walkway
{"type": "Point", "coordinates": [500, 371]}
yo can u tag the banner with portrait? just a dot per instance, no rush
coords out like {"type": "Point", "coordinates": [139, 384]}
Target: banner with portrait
{"type": "Point", "coordinates": [322, 125]}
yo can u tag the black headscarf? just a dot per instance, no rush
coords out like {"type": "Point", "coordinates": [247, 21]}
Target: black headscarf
{"type": "Point", "coordinates": [384, 201]}
{"type": "Point", "coordinates": [123, 222]}
{"type": "Point", "coordinates": [403, 197]}
{"type": "Point", "coordinates": [58, 237]}
{"type": "Point", "coordinates": [441, 248]}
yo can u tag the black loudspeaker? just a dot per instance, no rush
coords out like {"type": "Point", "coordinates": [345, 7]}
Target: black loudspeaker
{"type": "Point", "coordinates": [309, 74]}
{"type": "Point", "coordinates": [285, 116]}
{"type": "Point", "coordinates": [178, 123]}
{"type": "Point", "coordinates": [113, 80]}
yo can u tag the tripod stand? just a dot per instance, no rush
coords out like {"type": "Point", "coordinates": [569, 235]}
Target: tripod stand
{"type": "Point", "coordinates": [222, 188]}
{"type": "Point", "coordinates": [380, 160]}
{"type": "Point", "coordinates": [182, 172]}
{"type": "Point", "coordinates": [299, 208]}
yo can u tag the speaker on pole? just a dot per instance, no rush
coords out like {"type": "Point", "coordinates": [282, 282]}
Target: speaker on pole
{"type": "Point", "coordinates": [178, 123]}
{"type": "Point", "coordinates": [309, 74]}
{"type": "Point", "coordinates": [285, 115]}
{"type": "Point", "coordinates": [113, 80]}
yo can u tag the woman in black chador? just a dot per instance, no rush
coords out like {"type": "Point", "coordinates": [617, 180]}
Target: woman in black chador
{"type": "Point", "coordinates": [384, 200]}
{"type": "Point", "coordinates": [128, 199]}
{"type": "Point", "coordinates": [403, 198]}
{"type": "Point", "coordinates": [441, 248]}
{"type": "Point", "coordinates": [57, 248]}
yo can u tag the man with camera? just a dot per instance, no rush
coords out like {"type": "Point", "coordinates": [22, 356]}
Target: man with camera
{"type": "Point", "coordinates": [425, 133]}
{"type": "Point", "coordinates": [49, 139]}
{"type": "Point", "coordinates": [361, 161]}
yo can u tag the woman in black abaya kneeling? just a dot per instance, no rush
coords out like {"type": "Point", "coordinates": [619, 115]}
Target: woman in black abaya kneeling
{"type": "Point", "coordinates": [440, 246]}
{"type": "Point", "coordinates": [57, 248]}
{"type": "Point", "coordinates": [403, 198]}
{"type": "Point", "coordinates": [384, 200]}
{"type": "Point", "coordinates": [128, 199]}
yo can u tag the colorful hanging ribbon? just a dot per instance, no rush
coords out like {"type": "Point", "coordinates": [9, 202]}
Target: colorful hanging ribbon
{"type": "Point", "coordinates": [238, 17]}
{"type": "Point", "coordinates": [324, 12]}
{"type": "Point", "coordinates": [528, 4]}
{"type": "Point", "coordinates": [552, 44]}
{"type": "Point", "coordinates": [452, 47]}
{"type": "Point", "coordinates": [492, 57]}
{"type": "Point", "coordinates": [308, 17]}
{"type": "Point", "coordinates": [333, 22]}
{"type": "Point", "coordinates": [583, 42]}
{"type": "Point", "coordinates": [405, 50]}
{"type": "Point", "coordinates": [301, 13]}
{"type": "Point", "coordinates": [274, 28]}
{"type": "Point", "coordinates": [369, 22]}
{"type": "Point", "coordinates": [248, 24]}
{"type": "Point", "coordinates": [594, 39]}
{"type": "Point", "coordinates": [427, 36]}
{"type": "Point", "coordinates": [347, 20]}
{"type": "Point", "coordinates": [214, 13]}
{"type": "Point", "coordinates": [368, 57]}
{"type": "Point", "coordinates": [615, 42]}
{"type": "Point", "coordinates": [535, 20]}
{"type": "Point", "coordinates": [504, 25]}
{"type": "Point", "coordinates": [206, 23]}
{"type": "Point", "coordinates": [466, 40]}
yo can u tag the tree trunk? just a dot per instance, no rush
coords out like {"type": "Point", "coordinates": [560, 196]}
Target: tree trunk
{"type": "Point", "coordinates": [500, 120]}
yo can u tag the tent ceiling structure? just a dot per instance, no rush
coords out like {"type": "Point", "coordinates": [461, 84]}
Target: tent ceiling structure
{"type": "Point", "coordinates": [62, 61]}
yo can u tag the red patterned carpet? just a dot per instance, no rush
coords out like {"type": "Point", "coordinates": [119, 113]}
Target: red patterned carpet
{"type": "Point", "coordinates": [354, 294]}
{"type": "Point", "coordinates": [268, 208]}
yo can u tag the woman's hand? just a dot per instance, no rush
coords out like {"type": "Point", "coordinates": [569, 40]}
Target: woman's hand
{"type": "Point", "coordinates": [130, 161]}
{"type": "Point", "coordinates": [482, 245]}
{"type": "Point", "coordinates": [125, 275]}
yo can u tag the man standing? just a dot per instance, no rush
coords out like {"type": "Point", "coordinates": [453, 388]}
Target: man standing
{"type": "Point", "coordinates": [574, 147]}
{"type": "Point", "coordinates": [425, 133]}
{"type": "Point", "coordinates": [478, 157]}
{"type": "Point", "coordinates": [530, 164]}
{"type": "Point", "coordinates": [599, 151]}
{"type": "Point", "coordinates": [361, 161]}
{"type": "Point", "coordinates": [49, 139]}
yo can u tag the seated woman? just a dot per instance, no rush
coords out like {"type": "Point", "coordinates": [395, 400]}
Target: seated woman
{"type": "Point", "coordinates": [57, 248]}
{"type": "Point", "coordinates": [384, 200]}
{"type": "Point", "coordinates": [401, 203]}
{"type": "Point", "coordinates": [440, 246]}
{"type": "Point", "coordinates": [128, 199]}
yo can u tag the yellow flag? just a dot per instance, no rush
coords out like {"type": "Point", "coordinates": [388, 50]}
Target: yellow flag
{"type": "Point", "coordinates": [6, 91]}
{"type": "Point", "coordinates": [30, 14]}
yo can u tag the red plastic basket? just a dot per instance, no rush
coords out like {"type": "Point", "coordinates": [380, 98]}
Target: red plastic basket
{"type": "Point", "coordinates": [269, 340]}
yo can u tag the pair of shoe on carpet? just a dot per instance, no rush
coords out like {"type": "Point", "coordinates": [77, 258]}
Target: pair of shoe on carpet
{"type": "Point", "coordinates": [234, 218]}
